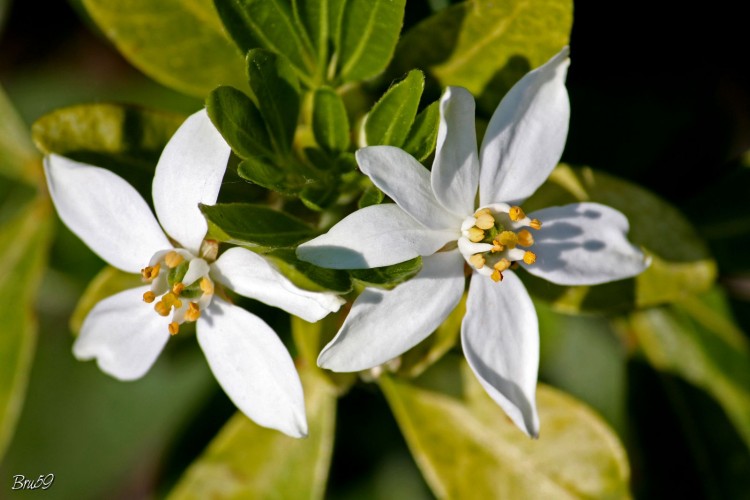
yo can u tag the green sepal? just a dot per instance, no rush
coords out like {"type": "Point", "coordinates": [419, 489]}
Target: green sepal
{"type": "Point", "coordinates": [388, 276]}
{"type": "Point", "coordinates": [391, 118]}
{"type": "Point", "coordinates": [237, 118]}
{"type": "Point", "coordinates": [422, 138]}
{"type": "Point", "coordinates": [254, 225]}
{"type": "Point", "coordinates": [330, 123]}
{"type": "Point", "coordinates": [277, 94]}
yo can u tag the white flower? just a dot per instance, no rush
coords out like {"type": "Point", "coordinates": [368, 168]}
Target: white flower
{"type": "Point", "coordinates": [435, 216]}
{"type": "Point", "coordinates": [126, 332]}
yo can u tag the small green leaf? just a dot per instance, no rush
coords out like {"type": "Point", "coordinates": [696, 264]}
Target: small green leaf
{"type": "Point", "coordinates": [467, 448]}
{"type": "Point", "coordinates": [309, 276]}
{"type": "Point", "coordinates": [270, 25]}
{"type": "Point", "coordinates": [329, 121]}
{"type": "Point", "coordinates": [371, 196]}
{"type": "Point", "coordinates": [369, 32]}
{"type": "Point", "coordinates": [390, 120]}
{"type": "Point", "coordinates": [323, 21]}
{"type": "Point", "coordinates": [262, 173]}
{"type": "Point", "coordinates": [388, 276]}
{"type": "Point", "coordinates": [690, 339]}
{"type": "Point", "coordinates": [108, 282]}
{"type": "Point", "coordinates": [318, 196]}
{"type": "Point", "coordinates": [125, 139]}
{"type": "Point", "coordinates": [180, 44]}
{"type": "Point", "coordinates": [681, 264]}
{"type": "Point", "coordinates": [422, 138]}
{"type": "Point", "coordinates": [18, 158]}
{"type": "Point", "coordinates": [485, 45]}
{"type": "Point", "coordinates": [234, 114]}
{"type": "Point", "coordinates": [254, 225]}
{"type": "Point", "coordinates": [276, 89]}
{"type": "Point", "coordinates": [249, 461]}
{"type": "Point", "coordinates": [24, 241]}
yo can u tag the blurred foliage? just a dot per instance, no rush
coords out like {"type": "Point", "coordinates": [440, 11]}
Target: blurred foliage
{"type": "Point", "coordinates": [663, 358]}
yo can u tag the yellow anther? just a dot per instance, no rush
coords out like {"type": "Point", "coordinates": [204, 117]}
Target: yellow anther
{"type": "Point", "coordinates": [150, 272]}
{"type": "Point", "coordinates": [516, 213]}
{"type": "Point", "coordinates": [508, 239]}
{"type": "Point", "coordinates": [477, 261]}
{"type": "Point", "coordinates": [501, 265]}
{"type": "Point", "coordinates": [174, 328]}
{"type": "Point", "coordinates": [497, 246]}
{"type": "Point", "coordinates": [149, 297]}
{"type": "Point", "coordinates": [485, 220]}
{"type": "Point", "coordinates": [482, 211]}
{"type": "Point", "coordinates": [529, 257]}
{"type": "Point", "coordinates": [496, 276]}
{"type": "Point", "coordinates": [161, 308]}
{"type": "Point", "coordinates": [207, 287]}
{"type": "Point", "coordinates": [177, 288]}
{"type": "Point", "coordinates": [173, 259]}
{"type": "Point", "coordinates": [177, 304]}
{"type": "Point", "coordinates": [193, 312]}
{"type": "Point", "coordinates": [169, 299]}
{"type": "Point", "coordinates": [535, 224]}
{"type": "Point", "coordinates": [525, 238]}
{"type": "Point", "coordinates": [476, 234]}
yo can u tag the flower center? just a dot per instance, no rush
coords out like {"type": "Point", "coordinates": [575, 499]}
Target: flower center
{"type": "Point", "coordinates": [491, 239]}
{"type": "Point", "coordinates": [181, 282]}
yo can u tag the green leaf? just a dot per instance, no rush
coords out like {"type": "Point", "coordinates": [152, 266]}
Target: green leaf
{"type": "Point", "coordinates": [263, 173]}
{"type": "Point", "coordinates": [254, 225]}
{"type": "Point", "coordinates": [319, 196]}
{"type": "Point", "coordinates": [276, 89]}
{"type": "Point", "coordinates": [23, 252]}
{"type": "Point", "coordinates": [323, 20]}
{"type": "Point", "coordinates": [681, 264]}
{"type": "Point", "coordinates": [699, 343]}
{"type": "Point", "coordinates": [179, 43]}
{"type": "Point", "coordinates": [422, 138]}
{"type": "Point", "coordinates": [270, 25]}
{"type": "Point", "coordinates": [370, 196]}
{"type": "Point", "coordinates": [369, 32]}
{"type": "Point", "coordinates": [391, 118]}
{"type": "Point", "coordinates": [18, 158]}
{"type": "Point", "coordinates": [329, 121]}
{"type": "Point", "coordinates": [237, 118]}
{"type": "Point", "coordinates": [467, 448]}
{"type": "Point", "coordinates": [108, 282]}
{"type": "Point", "coordinates": [125, 139]}
{"type": "Point", "coordinates": [388, 276]}
{"type": "Point", "coordinates": [309, 276]}
{"type": "Point", "coordinates": [485, 45]}
{"type": "Point", "coordinates": [249, 461]}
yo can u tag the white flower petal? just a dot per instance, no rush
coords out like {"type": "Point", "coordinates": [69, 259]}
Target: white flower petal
{"type": "Point", "coordinates": [500, 339]}
{"type": "Point", "coordinates": [584, 244]}
{"type": "Point", "coordinates": [105, 211]}
{"type": "Point", "coordinates": [123, 334]}
{"type": "Point", "coordinates": [407, 182]}
{"type": "Point", "coordinates": [251, 275]}
{"type": "Point", "coordinates": [375, 236]}
{"type": "Point", "coordinates": [189, 172]}
{"type": "Point", "coordinates": [197, 268]}
{"type": "Point", "coordinates": [526, 135]}
{"type": "Point", "coordinates": [253, 367]}
{"type": "Point", "coordinates": [385, 323]}
{"type": "Point", "coordinates": [455, 171]}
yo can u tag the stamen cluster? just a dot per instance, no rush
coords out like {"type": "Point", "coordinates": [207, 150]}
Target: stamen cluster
{"type": "Point", "coordinates": [491, 237]}
{"type": "Point", "coordinates": [182, 282]}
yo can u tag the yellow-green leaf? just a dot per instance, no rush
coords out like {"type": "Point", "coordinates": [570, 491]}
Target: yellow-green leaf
{"type": "Point", "coordinates": [485, 45]}
{"type": "Point", "coordinates": [249, 461]}
{"type": "Point", "coordinates": [697, 341]}
{"type": "Point", "coordinates": [23, 252]}
{"type": "Point", "coordinates": [179, 43]}
{"type": "Point", "coordinates": [467, 448]}
{"type": "Point", "coordinates": [18, 158]}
